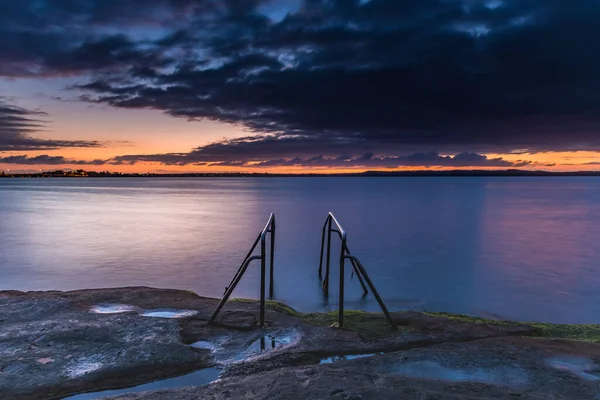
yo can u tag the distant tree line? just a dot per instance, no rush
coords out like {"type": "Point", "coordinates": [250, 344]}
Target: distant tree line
{"type": "Point", "coordinates": [80, 173]}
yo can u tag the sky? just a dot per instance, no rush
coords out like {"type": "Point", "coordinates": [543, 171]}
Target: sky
{"type": "Point", "coordinates": [299, 85]}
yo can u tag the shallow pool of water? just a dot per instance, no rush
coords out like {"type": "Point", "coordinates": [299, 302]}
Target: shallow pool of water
{"type": "Point", "coordinates": [580, 366]}
{"type": "Point", "coordinates": [112, 308]}
{"type": "Point", "coordinates": [336, 358]}
{"type": "Point", "coordinates": [197, 378]}
{"type": "Point", "coordinates": [275, 340]}
{"type": "Point", "coordinates": [501, 376]}
{"type": "Point", "coordinates": [202, 344]}
{"type": "Point", "coordinates": [168, 313]}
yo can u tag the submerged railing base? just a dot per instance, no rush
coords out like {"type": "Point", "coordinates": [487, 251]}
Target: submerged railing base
{"type": "Point", "coordinates": [359, 269]}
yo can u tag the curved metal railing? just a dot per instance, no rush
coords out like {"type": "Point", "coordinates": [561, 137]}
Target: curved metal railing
{"type": "Point", "coordinates": [327, 227]}
{"type": "Point", "coordinates": [262, 238]}
{"type": "Point", "coordinates": [359, 269]}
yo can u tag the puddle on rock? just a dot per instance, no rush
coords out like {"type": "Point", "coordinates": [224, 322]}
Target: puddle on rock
{"type": "Point", "coordinates": [225, 351]}
{"type": "Point", "coordinates": [197, 378]}
{"type": "Point", "coordinates": [267, 342]}
{"type": "Point", "coordinates": [202, 344]}
{"type": "Point", "coordinates": [271, 342]}
{"type": "Point", "coordinates": [168, 313]}
{"type": "Point", "coordinates": [157, 313]}
{"type": "Point", "coordinates": [112, 308]}
{"type": "Point", "coordinates": [336, 358]}
{"type": "Point", "coordinates": [501, 376]}
{"type": "Point", "coordinates": [580, 366]}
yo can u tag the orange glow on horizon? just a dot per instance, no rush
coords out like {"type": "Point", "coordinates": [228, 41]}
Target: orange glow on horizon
{"type": "Point", "coordinates": [549, 161]}
{"type": "Point", "coordinates": [160, 168]}
{"type": "Point", "coordinates": [140, 131]}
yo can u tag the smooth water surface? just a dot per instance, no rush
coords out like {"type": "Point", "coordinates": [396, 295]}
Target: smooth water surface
{"type": "Point", "coordinates": [580, 366]}
{"type": "Point", "coordinates": [508, 376]}
{"type": "Point", "coordinates": [521, 248]}
{"type": "Point", "coordinates": [201, 377]}
{"type": "Point", "coordinates": [333, 359]}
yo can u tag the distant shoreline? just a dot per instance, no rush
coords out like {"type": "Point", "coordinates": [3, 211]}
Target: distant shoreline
{"type": "Point", "coordinates": [450, 173]}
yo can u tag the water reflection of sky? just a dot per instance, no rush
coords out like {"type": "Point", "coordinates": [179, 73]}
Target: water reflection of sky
{"type": "Point", "coordinates": [523, 248]}
{"type": "Point", "coordinates": [542, 246]}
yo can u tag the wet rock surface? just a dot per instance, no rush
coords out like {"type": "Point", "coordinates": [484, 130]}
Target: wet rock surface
{"type": "Point", "coordinates": [57, 344]}
{"type": "Point", "coordinates": [51, 344]}
{"type": "Point", "coordinates": [500, 368]}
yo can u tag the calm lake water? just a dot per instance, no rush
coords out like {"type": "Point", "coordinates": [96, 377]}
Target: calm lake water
{"type": "Point", "coordinates": [520, 248]}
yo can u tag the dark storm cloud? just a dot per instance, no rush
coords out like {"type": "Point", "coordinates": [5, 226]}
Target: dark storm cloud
{"type": "Point", "coordinates": [69, 37]}
{"type": "Point", "coordinates": [17, 125]}
{"type": "Point", "coordinates": [388, 77]}
{"type": "Point", "coordinates": [39, 54]}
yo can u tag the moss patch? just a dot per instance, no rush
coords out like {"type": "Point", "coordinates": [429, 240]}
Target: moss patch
{"type": "Point", "coordinates": [364, 323]}
{"type": "Point", "coordinates": [242, 300]}
{"type": "Point", "coordinates": [282, 308]}
{"type": "Point", "coordinates": [273, 305]}
{"type": "Point", "coordinates": [467, 319]}
{"type": "Point", "coordinates": [581, 332]}
{"type": "Point", "coordinates": [370, 324]}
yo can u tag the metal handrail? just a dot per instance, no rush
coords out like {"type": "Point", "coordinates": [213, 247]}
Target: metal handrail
{"type": "Point", "coordinates": [373, 290]}
{"type": "Point", "coordinates": [343, 236]}
{"type": "Point", "coordinates": [262, 238]}
{"type": "Point", "coordinates": [359, 269]}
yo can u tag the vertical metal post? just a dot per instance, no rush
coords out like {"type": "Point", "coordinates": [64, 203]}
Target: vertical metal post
{"type": "Point", "coordinates": [356, 265]}
{"type": "Point", "coordinates": [326, 281]}
{"type": "Point", "coordinates": [322, 248]}
{"type": "Point", "coordinates": [263, 278]}
{"type": "Point", "coordinates": [341, 306]}
{"type": "Point", "coordinates": [262, 238]}
{"type": "Point", "coordinates": [272, 257]}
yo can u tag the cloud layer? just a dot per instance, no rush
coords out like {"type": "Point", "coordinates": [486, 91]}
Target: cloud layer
{"type": "Point", "coordinates": [332, 78]}
{"type": "Point", "coordinates": [365, 161]}
{"type": "Point", "coordinates": [17, 125]}
{"type": "Point", "coordinates": [47, 160]}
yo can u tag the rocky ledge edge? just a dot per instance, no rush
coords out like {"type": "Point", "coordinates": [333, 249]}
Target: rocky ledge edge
{"type": "Point", "coordinates": [59, 344]}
